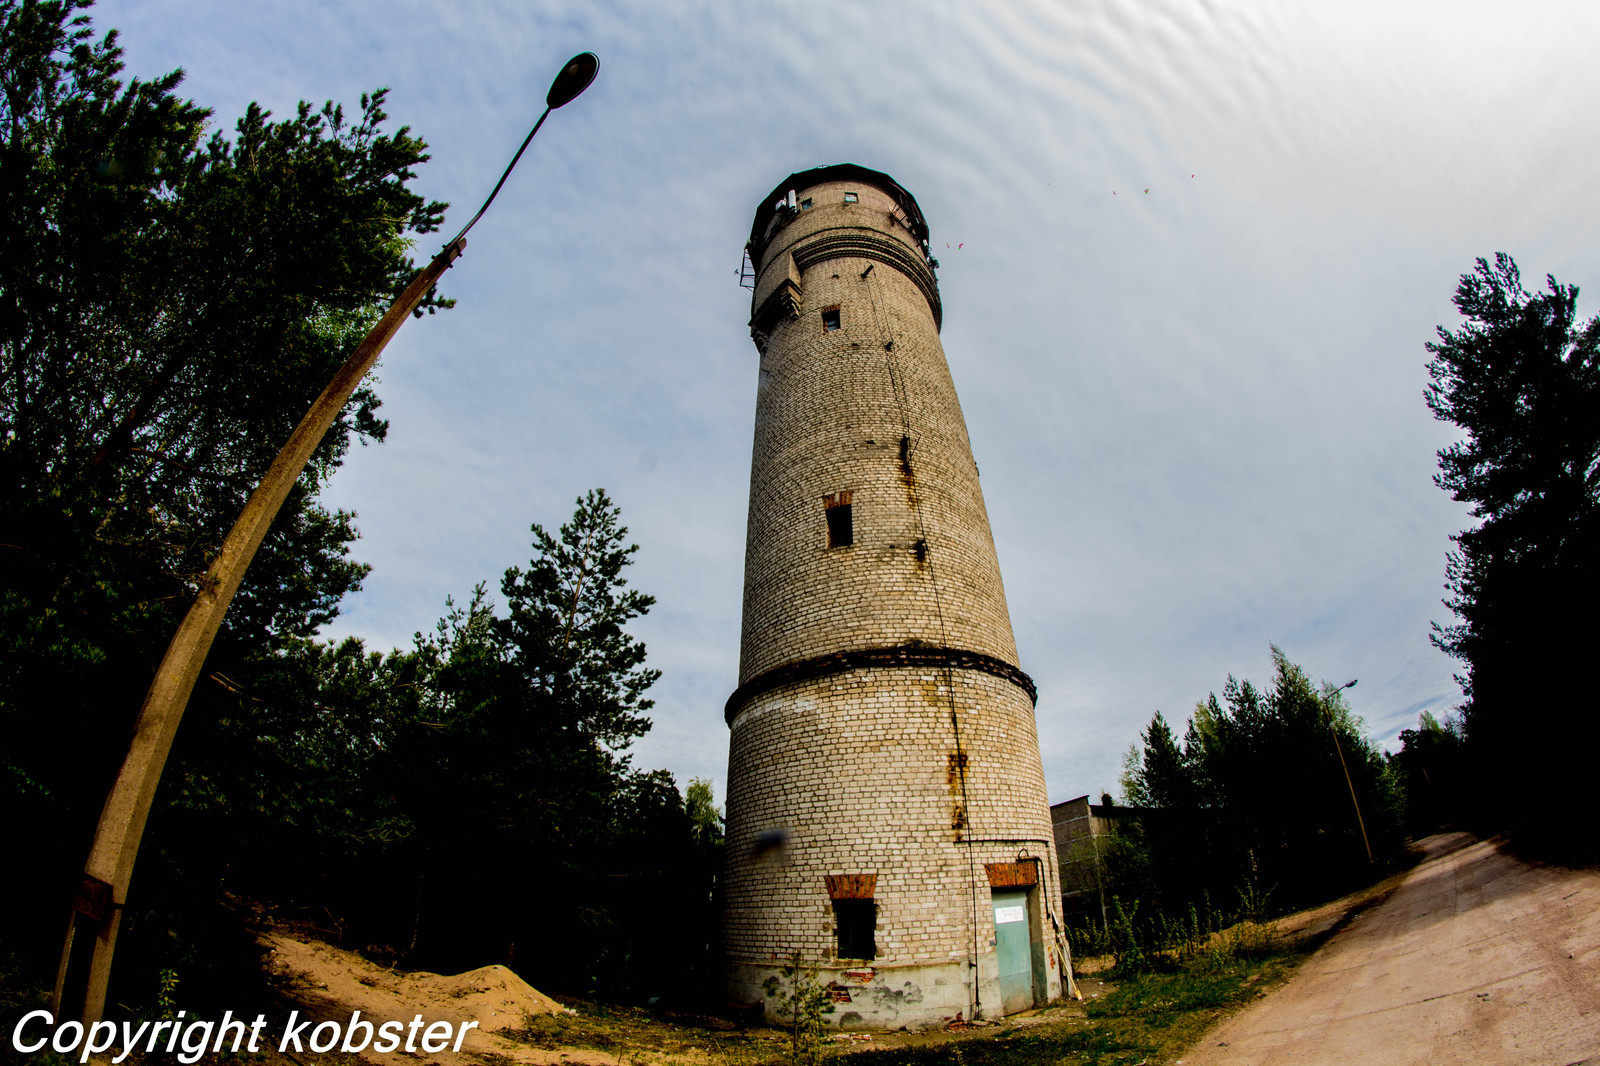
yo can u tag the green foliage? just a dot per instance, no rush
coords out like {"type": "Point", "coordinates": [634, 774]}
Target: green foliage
{"type": "Point", "coordinates": [1142, 938]}
{"type": "Point", "coordinates": [803, 1004]}
{"type": "Point", "coordinates": [1162, 775]}
{"type": "Point", "coordinates": [1252, 804]}
{"type": "Point", "coordinates": [170, 303]}
{"type": "Point", "coordinates": [1089, 939]}
{"type": "Point", "coordinates": [167, 995]}
{"type": "Point", "coordinates": [565, 630]}
{"type": "Point", "coordinates": [22, 991]}
{"type": "Point", "coordinates": [1194, 934]}
{"type": "Point", "coordinates": [1242, 940]}
{"type": "Point", "coordinates": [1042, 1046]}
{"type": "Point", "coordinates": [438, 805]}
{"type": "Point", "coordinates": [1255, 903]}
{"type": "Point", "coordinates": [1256, 795]}
{"type": "Point", "coordinates": [514, 750]}
{"type": "Point", "coordinates": [522, 719]}
{"type": "Point", "coordinates": [1148, 1017]}
{"type": "Point", "coordinates": [699, 802]}
{"type": "Point", "coordinates": [1431, 775]}
{"type": "Point", "coordinates": [1125, 939]}
{"type": "Point", "coordinates": [1521, 378]}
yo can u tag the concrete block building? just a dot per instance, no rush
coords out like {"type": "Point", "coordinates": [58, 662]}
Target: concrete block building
{"type": "Point", "coordinates": [1085, 833]}
{"type": "Point", "coordinates": [887, 822]}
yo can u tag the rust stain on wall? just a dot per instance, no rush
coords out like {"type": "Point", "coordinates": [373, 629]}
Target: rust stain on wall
{"type": "Point", "coordinates": [955, 769]}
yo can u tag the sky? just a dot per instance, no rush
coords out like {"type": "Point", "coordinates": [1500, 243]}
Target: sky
{"type": "Point", "coordinates": [1191, 253]}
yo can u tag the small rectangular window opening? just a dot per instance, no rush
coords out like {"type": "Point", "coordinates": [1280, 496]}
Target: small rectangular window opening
{"type": "Point", "coordinates": [805, 205]}
{"type": "Point", "coordinates": [850, 198]}
{"type": "Point", "coordinates": [855, 922]}
{"type": "Point", "coordinates": [830, 319]}
{"type": "Point", "coordinates": [841, 529]}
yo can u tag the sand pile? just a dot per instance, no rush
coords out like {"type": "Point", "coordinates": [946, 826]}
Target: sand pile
{"type": "Point", "coordinates": [334, 982]}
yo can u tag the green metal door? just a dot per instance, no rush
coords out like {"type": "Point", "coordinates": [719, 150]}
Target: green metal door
{"type": "Point", "coordinates": [1013, 949]}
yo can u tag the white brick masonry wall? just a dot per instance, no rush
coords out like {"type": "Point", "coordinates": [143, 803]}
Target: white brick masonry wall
{"type": "Point", "coordinates": [856, 767]}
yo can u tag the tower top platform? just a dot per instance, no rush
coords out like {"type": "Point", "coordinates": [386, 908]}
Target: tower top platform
{"type": "Point", "coordinates": [803, 179]}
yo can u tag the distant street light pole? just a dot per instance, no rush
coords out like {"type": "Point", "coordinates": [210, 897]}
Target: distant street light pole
{"type": "Point", "coordinates": [80, 988]}
{"type": "Point", "coordinates": [1328, 714]}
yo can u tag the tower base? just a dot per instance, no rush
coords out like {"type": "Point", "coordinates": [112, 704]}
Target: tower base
{"type": "Point", "coordinates": [915, 997]}
{"type": "Point", "coordinates": [869, 834]}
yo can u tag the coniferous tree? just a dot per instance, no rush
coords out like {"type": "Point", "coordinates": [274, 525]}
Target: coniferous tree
{"type": "Point", "coordinates": [1521, 378]}
{"type": "Point", "coordinates": [1256, 796]}
{"type": "Point", "coordinates": [518, 753]}
{"type": "Point", "coordinates": [1430, 770]}
{"type": "Point", "coordinates": [171, 300]}
{"type": "Point", "coordinates": [480, 780]}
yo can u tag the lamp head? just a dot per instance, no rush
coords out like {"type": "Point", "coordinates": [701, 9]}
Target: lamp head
{"type": "Point", "coordinates": [573, 79]}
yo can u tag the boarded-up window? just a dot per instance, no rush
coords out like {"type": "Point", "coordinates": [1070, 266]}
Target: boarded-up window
{"type": "Point", "coordinates": [841, 527]}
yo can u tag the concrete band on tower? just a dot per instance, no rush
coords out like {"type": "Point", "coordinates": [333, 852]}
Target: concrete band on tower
{"type": "Point", "coordinates": [905, 655]}
{"type": "Point", "coordinates": [888, 829]}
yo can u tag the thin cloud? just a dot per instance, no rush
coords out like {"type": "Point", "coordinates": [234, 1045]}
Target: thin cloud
{"type": "Point", "coordinates": [1198, 417]}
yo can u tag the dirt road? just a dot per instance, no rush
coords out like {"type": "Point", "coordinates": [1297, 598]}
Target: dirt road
{"type": "Point", "coordinates": [1477, 958]}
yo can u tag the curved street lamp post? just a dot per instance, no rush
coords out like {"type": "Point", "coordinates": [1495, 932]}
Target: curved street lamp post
{"type": "Point", "coordinates": [1360, 822]}
{"type": "Point", "coordinates": [84, 972]}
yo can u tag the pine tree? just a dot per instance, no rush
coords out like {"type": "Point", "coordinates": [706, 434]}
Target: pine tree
{"type": "Point", "coordinates": [171, 300]}
{"type": "Point", "coordinates": [1521, 378]}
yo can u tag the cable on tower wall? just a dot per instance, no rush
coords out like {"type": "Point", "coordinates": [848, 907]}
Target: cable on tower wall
{"type": "Point", "coordinates": [924, 557]}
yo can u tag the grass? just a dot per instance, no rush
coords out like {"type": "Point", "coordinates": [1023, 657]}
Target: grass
{"type": "Point", "coordinates": [1145, 1018]}
{"type": "Point", "coordinates": [632, 1032]}
{"type": "Point", "coordinates": [1148, 1017]}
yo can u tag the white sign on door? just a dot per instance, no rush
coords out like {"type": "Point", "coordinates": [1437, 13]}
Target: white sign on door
{"type": "Point", "coordinates": [1002, 915]}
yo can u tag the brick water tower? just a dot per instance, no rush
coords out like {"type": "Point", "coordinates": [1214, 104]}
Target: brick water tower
{"type": "Point", "coordinates": [887, 821]}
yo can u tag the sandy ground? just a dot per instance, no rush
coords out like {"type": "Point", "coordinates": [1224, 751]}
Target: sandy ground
{"type": "Point", "coordinates": [331, 982]}
{"type": "Point", "coordinates": [1475, 958]}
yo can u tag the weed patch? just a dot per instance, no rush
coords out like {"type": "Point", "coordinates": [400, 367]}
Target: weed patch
{"type": "Point", "coordinates": [1147, 1016]}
